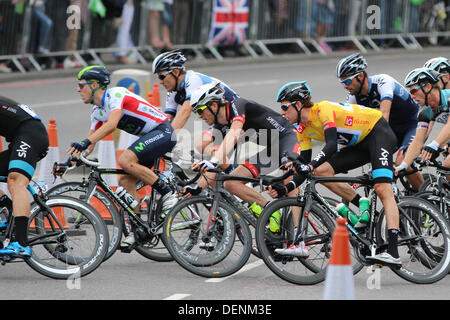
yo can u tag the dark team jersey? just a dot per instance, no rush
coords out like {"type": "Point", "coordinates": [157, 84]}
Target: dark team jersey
{"type": "Point", "coordinates": [403, 113]}
{"type": "Point", "coordinates": [12, 114]}
{"type": "Point", "coordinates": [256, 116]}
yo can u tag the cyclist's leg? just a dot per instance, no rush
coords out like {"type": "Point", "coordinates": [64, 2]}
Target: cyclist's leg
{"type": "Point", "coordinates": [446, 163]}
{"type": "Point", "coordinates": [28, 147]}
{"type": "Point", "coordinates": [140, 156]}
{"type": "Point", "coordinates": [242, 191]}
{"type": "Point", "coordinates": [415, 179]}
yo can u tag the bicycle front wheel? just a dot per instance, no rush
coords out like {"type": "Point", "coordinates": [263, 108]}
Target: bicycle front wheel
{"type": "Point", "coordinates": [423, 243]}
{"type": "Point", "coordinates": [208, 244]}
{"type": "Point", "coordinates": [317, 229]}
{"type": "Point", "coordinates": [72, 241]}
{"type": "Point", "coordinates": [102, 203]}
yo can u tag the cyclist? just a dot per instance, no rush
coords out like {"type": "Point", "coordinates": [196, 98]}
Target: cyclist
{"type": "Point", "coordinates": [365, 136]}
{"type": "Point", "coordinates": [383, 92]}
{"type": "Point", "coordinates": [119, 108]}
{"type": "Point", "coordinates": [441, 65]}
{"type": "Point", "coordinates": [423, 84]}
{"type": "Point", "coordinates": [180, 84]}
{"type": "Point", "coordinates": [28, 144]}
{"type": "Point", "coordinates": [242, 115]}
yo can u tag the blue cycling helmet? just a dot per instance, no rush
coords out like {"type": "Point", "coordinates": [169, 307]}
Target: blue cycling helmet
{"type": "Point", "coordinates": [95, 73]}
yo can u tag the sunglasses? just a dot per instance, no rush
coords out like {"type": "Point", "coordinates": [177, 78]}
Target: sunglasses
{"type": "Point", "coordinates": [82, 84]}
{"type": "Point", "coordinates": [284, 107]}
{"type": "Point", "coordinates": [415, 89]}
{"type": "Point", "coordinates": [199, 110]}
{"type": "Point", "coordinates": [162, 76]}
{"type": "Point", "coordinates": [349, 80]}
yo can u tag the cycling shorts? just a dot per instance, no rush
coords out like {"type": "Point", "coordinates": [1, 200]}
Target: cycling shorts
{"type": "Point", "coordinates": [405, 137]}
{"type": "Point", "coordinates": [26, 149]}
{"type": "Point", "coordinates": [154, 144]}
{"type": "Point", "coordinates": [377, 148]}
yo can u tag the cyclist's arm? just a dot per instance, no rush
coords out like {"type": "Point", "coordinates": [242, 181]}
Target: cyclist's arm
{"type": "Point", "coordinates": [330, 147]}
{"type": "Point", "coordinates": [107, 128]}
{"type": "Point", "coordinates": [444, 134]}
{"type": "Point", "coordinates": [228, 143]}
{"type": "Point", "coordinates": [385, 108]}
{"type": "Point", "coordinates": [182, 115]}
{"type": "Point", "coordinates": [415, 146]}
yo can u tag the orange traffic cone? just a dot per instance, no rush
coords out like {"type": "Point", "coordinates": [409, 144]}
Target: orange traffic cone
{"type": "Point", "coordinates": [156, 96]}
{"type": "Point", "coordinates": [150, 98]}
{"type": "Point", "coordinates": [339, 284]}
{"type": "Point", "coordinates": [46, 166]}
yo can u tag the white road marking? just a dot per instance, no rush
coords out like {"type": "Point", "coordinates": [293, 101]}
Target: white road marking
{"type": "Point", "coordinates": [177, 296]}
{"type": "Point", "coordinates": [243, 269]}
{"type": "Point", "coordinates": [57, 103]}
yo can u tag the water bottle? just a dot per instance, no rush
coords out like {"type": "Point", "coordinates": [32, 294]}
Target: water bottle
{"type": "Point", "coordinates": [364, 210]}
{"type": "Point", "coordinates": [395, 189]}
{"type": "Point", "coordinates": [126, 197]}
{"type": "Point", "coordinates": [346, 213]}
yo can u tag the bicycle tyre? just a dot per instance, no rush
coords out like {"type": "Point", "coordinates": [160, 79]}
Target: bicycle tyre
{"type": "Point", "coordinates": [185, 232]}
{"type": "Point", "coordinates": [60, 256]}
{"type": "Point", "coordinates": [417, 265]}
{"type": "Point", "coordinates": [293, 269]}
{"type": "Point", "coordinates": [101, 201]}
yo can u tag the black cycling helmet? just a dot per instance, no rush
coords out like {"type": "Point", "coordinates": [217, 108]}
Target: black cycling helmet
{"type": "Point", "coordinates": [294, 91]}
{"type": "Point", "coordinates": [351, 65]}
{"type": "Point", "coordinates": [168, 61]}
{"type": "Point", "coordinates": [95, 73]}
{"type": "Point", "coordinates": [421, 75]}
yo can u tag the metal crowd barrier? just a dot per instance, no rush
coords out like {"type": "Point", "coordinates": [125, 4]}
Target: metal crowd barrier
{"type": "Point", "coordinates": [308, 26]}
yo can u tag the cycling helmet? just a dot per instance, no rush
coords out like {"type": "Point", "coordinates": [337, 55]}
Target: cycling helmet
{"type": "Point", "coordinates": [168, 60]}
{"type": "Point", "coordinates": [206, 94]}
{"type": "Point", "coordinates": [294, 91]}
{"type": "Point", "coordinates": [351, 65]}
{"type": "Point", "coordinates": [95, 73]}
{"type": "Point", "coordinates": [439, 64]}
{"type": "Point", "coordinates": [419, 75]}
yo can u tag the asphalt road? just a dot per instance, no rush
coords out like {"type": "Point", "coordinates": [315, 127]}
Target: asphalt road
{"type": "Point", "coordinates": [131, 276]}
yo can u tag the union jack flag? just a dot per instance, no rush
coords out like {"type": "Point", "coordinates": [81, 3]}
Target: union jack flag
{"type": "Point", "coordinates": [229, 22]}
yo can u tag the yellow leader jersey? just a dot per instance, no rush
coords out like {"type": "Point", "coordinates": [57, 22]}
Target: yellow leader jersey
{"type": "Point", "coordinates": [352, 121]}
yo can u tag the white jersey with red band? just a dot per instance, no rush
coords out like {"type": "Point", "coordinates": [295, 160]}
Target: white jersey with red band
{"type": "Point", "coordinates": [139, 117]}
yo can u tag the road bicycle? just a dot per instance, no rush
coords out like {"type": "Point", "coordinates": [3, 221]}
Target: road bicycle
{"type": "Point", "coordinates": [423, 243]}
{"type": "Point", "coordinates": [119, 216]}
{"type": "Point", "coordinates": [210, 234]}
{"type": "Point", "coordinates": [67, 237]}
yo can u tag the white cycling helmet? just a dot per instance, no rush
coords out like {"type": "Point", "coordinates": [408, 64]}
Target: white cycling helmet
{"type": "Point", "coordinates": [206, 94]}
{"type": "Point", "coordinates": [440, 64]}
{"type": "Point", "coordinates": [420, 75]}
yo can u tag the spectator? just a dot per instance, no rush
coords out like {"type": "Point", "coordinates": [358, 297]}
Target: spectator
{"type": "Point", "coordinates": [45, 24]}
{"type": "Point", "coordinates": [124, 40]}
{"type": "Point", "coordinates": [167, 24]}
{"type": "Point", "coordinates": [323, 13]}
{"type": "Point", "coordinates": [155, 7]}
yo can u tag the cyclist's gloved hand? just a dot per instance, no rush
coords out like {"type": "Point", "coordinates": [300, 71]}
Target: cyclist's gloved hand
{"type": "Point", "coordinates": [432, 148]}
{"type": "Point", "coordinates": [279, 189]}
{"type": "Point", "coordinates": [401, 167]}
{"type": "Point", "coordinates": [195, 190]}
{"type": "Point", "coordinates": [301, 168]}
{"type": "Point", "coordinates": [209, 164]}
{"type": "Point", "coordinates": [81, 146]}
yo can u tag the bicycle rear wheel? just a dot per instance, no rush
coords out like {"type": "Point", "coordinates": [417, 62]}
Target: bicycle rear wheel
{"type": "Point", "coordinates": [424, 241]}
{"type": "Point", "coordinates": [71, 243]}
{"type": "Point", "coordinates": [102, 203]}
{"type": "Point", "coordinates": [207, 245]}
